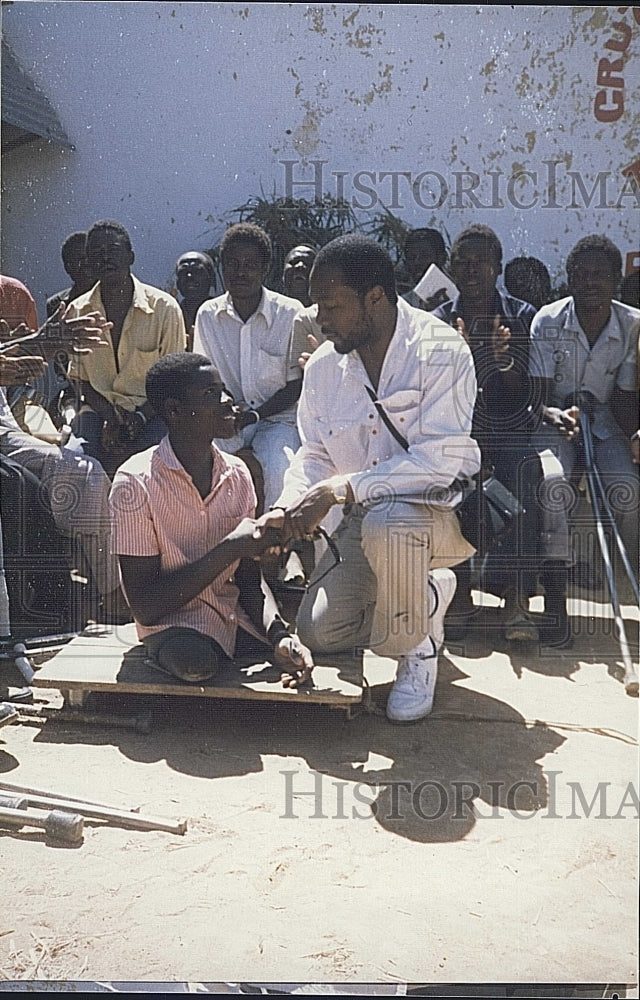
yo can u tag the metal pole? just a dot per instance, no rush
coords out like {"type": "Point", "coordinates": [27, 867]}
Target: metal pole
{"type": "Point", "coordinates": [630, 670]}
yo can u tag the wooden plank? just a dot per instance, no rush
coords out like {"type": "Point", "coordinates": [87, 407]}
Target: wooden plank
{"type": "Point", "coordinates": [111, 659]}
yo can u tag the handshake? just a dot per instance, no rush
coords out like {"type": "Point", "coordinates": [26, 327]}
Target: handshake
{"type": "Point", "coordinates": [269, 534]}
{"type": "Point", "coordinates": [265, 535]}
{"type": "Point", "coordinates": [301, 520]}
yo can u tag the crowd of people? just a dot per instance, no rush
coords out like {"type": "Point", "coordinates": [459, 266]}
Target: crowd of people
{"type": "Point", "coordinates": [400, 449]}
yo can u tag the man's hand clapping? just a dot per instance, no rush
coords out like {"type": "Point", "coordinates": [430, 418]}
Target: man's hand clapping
{"type": "Point", "coordinates": [500, 337]}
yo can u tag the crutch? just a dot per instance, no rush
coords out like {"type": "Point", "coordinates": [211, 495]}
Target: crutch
{"type": "Point", "coordinates": [600, 504]}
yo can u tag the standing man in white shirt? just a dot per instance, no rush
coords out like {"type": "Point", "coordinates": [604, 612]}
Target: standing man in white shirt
{"type": "Point", "coordinates": [385, 421]}
{"type": "Point", "coordinates": [247, 334]}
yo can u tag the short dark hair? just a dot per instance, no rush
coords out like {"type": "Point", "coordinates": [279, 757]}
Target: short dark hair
{"type": "Point", "coordinates": [170, 375]}
{"type": "Point", "coordinates": [298, 247]}
{"type": "Point", "coordinates": [362, 262]}
{"type": "Point", "coordinates": [528, 276]}
{"type": "Point", "coordinates": [73, 248]}
{"type": "Point", "coordinates": [112, 226]}
{"type": "Point", "coordinates": [208, 263]}
{"type": "Point", "coordinates": [430, 236]}
{"type": "Point", "coordinates": [595, 244]}
{"type": "Point", "coordinates": [478, 233]}
{"type": "Point", "coordinates": [247, 232]}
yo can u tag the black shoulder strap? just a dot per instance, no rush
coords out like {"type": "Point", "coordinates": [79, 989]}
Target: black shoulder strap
{"type": "Point", "coordinates": [386, 419]}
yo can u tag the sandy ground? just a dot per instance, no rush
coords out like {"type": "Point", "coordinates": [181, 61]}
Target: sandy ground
{"type": "Point", "coordinates": [322, 849]}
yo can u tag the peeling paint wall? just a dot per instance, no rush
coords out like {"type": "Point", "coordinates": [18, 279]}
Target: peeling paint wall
{"type": "Point", "coordinates": [446, 115]}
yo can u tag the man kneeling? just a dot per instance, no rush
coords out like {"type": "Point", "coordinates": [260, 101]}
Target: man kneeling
{"type": "Point", "coordinates": [385, 422]}
{"type": "Point", "coordinates": [186, 537]}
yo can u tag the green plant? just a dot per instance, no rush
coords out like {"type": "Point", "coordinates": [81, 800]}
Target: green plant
{"type": "Point", "coordinates": [389, 231]}
{"type": "Point", "coordinates": [290, 222]}
{"type": "Point", "coordinates": [293, 221]}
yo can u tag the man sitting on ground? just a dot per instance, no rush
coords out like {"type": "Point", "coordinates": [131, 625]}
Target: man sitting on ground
{"type": "Point", "coordinates": [17, 304]}
{"type": "Point", "coordinates": [55, 390]}
{"type": "Point", "coordinates": [74, 259]}
{"type": "Point", "coordinates": [296, 271]}
{"type": "Point", "coordinates": [528, 279]}
{"type": "Point", "coordinates": [115, 419]}
{"type": "Point", "coordinates": [247, 334]}
{"type": "Point", "coordinates": [585, 353]}
{"type": "Point", "coordinates": [496, 326]}
{"type": "Point", "coordinates": [75, 487]}
{"type": "Point", "coordinates": [195, 274]}
{"type": "Point", "coordinates": [307, 335]}
{"type": "Point", "coordinates": [186, 536]}
{"type": "Point", "coordinates": [391, 463]}
{"type": "Point", "coordinates": [422, 248]}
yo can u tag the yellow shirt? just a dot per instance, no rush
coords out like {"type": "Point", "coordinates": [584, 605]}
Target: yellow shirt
{"type": "Point", "coordinates": [153, 327]}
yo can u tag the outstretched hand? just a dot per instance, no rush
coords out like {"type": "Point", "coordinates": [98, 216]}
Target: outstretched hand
{"type": "Point", "coordinates": [61, 331]}
{"type": "Point", "coordinates": [11, 336]}
{"type": "Point", "coordinates": [110, 437]}
{"type": "Point", "coordinates": [80, 333]}
{"type": "Point", "coordinates": [132, 422]}
{"type": "Point", "coordinates": [566, 422]}
{"type": "Point", "coordinates": [16, 370]}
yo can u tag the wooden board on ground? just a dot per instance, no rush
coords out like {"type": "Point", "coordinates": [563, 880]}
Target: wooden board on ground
{"type": "Point", "coordinates": [109, 659]}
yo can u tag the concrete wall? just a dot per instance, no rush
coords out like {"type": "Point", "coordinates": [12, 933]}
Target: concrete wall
{"type": "Point", "coordinates": [181, 111]}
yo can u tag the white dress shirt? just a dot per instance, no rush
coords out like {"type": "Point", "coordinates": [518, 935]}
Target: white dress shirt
{"type": "Point", "coordinates": [428, 389]}
{"type": "Point", "coordinates": [255, 357]}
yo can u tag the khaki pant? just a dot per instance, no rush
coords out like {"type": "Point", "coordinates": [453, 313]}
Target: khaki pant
{"type": "Point", "coordinates": [377, 597]}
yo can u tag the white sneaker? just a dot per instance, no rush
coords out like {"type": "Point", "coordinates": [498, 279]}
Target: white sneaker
{"type": "Point", "coordinates": [411, 697]}
{"type": "Point", "coordinates": [442, 587]}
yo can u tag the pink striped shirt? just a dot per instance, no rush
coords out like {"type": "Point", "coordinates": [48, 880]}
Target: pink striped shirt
{"type": "Point", "coordinates": [157, 510]}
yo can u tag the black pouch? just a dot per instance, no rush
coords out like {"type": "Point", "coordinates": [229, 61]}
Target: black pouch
{"type": "Point", "coordinates": [502, 507]}
{"type": "Point", "coordinates": [488, 515]}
